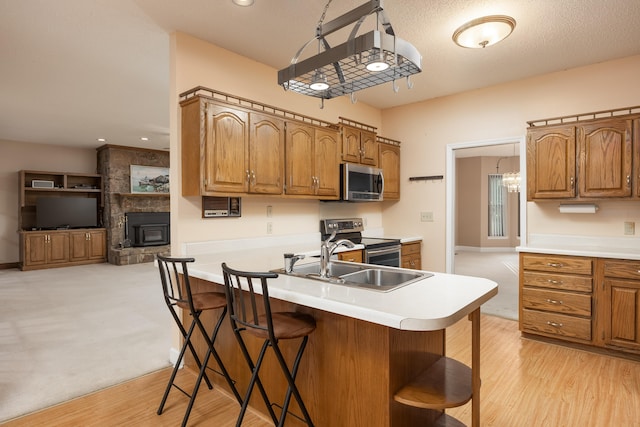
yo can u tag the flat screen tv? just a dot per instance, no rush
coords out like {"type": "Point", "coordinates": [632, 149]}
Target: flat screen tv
{"type": "Point", "coordinates": [66, 212]}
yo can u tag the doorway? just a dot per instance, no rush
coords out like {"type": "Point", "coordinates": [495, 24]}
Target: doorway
{"type": "Point", "coordinates": [495, 259]}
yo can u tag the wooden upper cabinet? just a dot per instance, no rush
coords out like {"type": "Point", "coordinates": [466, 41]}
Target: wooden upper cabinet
{"type": "Point", "coordinates": [226, 150]}
{"type": "Point", "coordinates": [327, 163]}
{"type": "Point", "coordinates": [312, 166]}
{"type": "Point", "coordinates": [389, 162]}
{"type": "Point", "coordinates": [605, 152]}
{"type": "Point", "coordinates": [230, 150]}
{"type": "Point", "coordinates": [551, 163]}
{"type": "Point", "coordinates": [266, 154]}
{"type": "Point", "coordinates": [359, 146]}
{"type": "Point", "coordinates": [636, 159]}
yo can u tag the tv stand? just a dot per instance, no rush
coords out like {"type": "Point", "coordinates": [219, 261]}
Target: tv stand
{"type": "Point", "coordinates": [62, 246]}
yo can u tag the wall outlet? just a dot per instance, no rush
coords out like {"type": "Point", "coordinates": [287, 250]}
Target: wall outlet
{"type": "Point", "coordinates": [269, 211]}
{"type": "Point", "coordinates": [426, 216]}
{"type": "Point", "coordinates": [629, 228]}
{"type": "Point", "coordinates": [269, 227]}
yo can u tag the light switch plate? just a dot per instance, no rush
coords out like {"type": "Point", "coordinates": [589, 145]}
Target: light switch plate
{"type": "Point", "coordinates": [426, 216]}
{"type": "Point", "coordinates": [629, 228]}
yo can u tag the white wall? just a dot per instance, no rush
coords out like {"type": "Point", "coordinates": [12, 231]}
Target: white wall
{"type": "Point", "coordinates": [16, 156]}
{"type": "Point", "coordinates": [494, 113]}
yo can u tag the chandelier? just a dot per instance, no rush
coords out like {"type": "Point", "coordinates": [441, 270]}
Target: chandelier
{"type": "Point", "coordinates": [511, 180]}
{"type": "Point", "coordinates": [361, 62]}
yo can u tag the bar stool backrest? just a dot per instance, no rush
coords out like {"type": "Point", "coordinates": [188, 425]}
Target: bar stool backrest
{"type": "Point", "coordinates": [249, 308]}
{"type": "Point", "coordinates": [175, 281]}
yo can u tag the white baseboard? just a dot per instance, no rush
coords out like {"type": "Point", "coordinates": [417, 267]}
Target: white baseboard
{"type": "Point", "coordinates": [173, 357]}
{"type": "Point", "coordinates": [485, 249]}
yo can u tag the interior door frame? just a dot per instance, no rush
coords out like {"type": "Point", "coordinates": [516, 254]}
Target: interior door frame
{"type": "Point", "coordinates": [450, 181]}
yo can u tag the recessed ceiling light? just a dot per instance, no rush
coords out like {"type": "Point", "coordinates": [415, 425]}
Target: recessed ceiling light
{"type": "Point", "coordinates": [144, 138]}
{"type": "Point", "coordinates": [243, 2]}
{"type": "Point", "coordinates": [102, 140]}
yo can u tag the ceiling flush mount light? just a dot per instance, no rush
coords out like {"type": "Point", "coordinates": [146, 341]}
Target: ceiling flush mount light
{"type": "Point", "coordinates": [243, 2]}
{"type": "Point", "coordinates": [364, 61]}
{"type": "Point", "coordinates": [485, 31]}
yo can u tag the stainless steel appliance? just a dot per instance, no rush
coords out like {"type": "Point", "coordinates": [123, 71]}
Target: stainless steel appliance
{"type": "Point", "coordinates": [360, 183]}
{"type": "Point", "coordinates": [377, 251]}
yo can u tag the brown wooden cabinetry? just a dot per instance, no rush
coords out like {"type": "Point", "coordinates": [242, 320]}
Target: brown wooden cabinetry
{"type": "Point", "coordinates": [605, 149]}
{"type": "Point", "coordinates": [312, 165]}
{"type": "Point", "coordinates": [351, 256]}
{"type": "Point", "coordinates": [584, 160]}
{"type": "Point", "coordinates": [230, 150]}
{"type": "Point", "coordinates": [389, 162]}
{"type": "Point", "coordinates": [412, 255]}
{"type": "Point", "coordinates": [551, 163]}
{"type": "Point", "coordinates": [556, 296]}
{"type": "Point", "coordinates": [58, 248]}
{"type": "Point", "coordinates": [621, 304]}
{"type": "Point", "coordinates": [359, 143]}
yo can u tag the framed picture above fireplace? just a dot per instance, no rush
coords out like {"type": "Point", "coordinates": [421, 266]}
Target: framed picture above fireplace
{"type": "Point", "coordinates": [149, 179]}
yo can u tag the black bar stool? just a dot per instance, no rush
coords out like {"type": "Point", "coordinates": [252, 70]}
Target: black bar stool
{"type": "Point", "coordinates": [177, 293]}
{"type": "Point", "coordinates": [251, 313]}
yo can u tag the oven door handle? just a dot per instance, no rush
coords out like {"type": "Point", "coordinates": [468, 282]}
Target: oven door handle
{"type": "Point", "coordinates": [383, 251]}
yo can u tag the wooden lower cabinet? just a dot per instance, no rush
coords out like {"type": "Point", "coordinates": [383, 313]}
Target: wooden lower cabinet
{"type": "Point", "coordinates": [412, 255]}
{"type": "Point", "coordinates": [556, 296]}
{"type": "Point", "coordinates": [593, 301]}
{"type": "Point", "coordinates": [351, 256]}
{"type": "Point", "coordinates": [621, 304]}
{"type": "Point", "coordinates": [61, 248]}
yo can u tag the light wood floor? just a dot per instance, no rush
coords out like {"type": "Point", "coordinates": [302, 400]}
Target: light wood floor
{"type": "Point", "coordinates": [524, 382]}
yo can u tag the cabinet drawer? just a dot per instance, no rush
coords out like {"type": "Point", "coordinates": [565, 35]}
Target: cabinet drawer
{"type": "Point", "coordinates": [410, 248]}
{"type": "Point", "coordinates": [559, 302]}
{"type": "Point", "coordinates": [558, 264]}
{"type": "Point", "coordinates": [558, 281]}
{"type": "Point", "coordinates": [560, 325]}
{"type": "Point", "coordinates": [622, 269]}
{"type": "Point", "coordinates": [351, 256]}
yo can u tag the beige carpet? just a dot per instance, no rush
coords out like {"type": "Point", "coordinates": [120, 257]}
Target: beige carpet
{"type": "Point", "coordinates": [502, 268]}
{"type": "Point", "coordinates": [65, 332]}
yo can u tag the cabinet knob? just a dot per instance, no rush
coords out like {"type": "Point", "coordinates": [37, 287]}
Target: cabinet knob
{"type": "Point", "coordinates": [555, 264]}
{"type": "Point", "coordinates": [552, 301]}
{"type": "Point", "coordinates": [628, 180]}
{"type": "Point", "coordinates": [555, 282]}
{"type": "Point", "coordinates": [555, 324]}
{"type": "Point", "coordinates": [572, 182]}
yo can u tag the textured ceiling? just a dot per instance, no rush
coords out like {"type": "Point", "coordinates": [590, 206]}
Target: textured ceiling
{"type": "Point", "coordinates": [76, 70]}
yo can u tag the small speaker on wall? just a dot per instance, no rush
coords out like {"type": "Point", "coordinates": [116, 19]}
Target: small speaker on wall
{"type": "Point", "coordinates": [38, 183]}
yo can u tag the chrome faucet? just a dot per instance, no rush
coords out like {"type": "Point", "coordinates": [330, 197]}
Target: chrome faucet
{"type": "Point", "coordinates": [326, 250]}
{"type": "Point", "coordinates": [290, 260]}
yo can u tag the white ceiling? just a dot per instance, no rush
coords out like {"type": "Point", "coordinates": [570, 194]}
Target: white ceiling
{"type": "Point", "coordinates": [72, 71]}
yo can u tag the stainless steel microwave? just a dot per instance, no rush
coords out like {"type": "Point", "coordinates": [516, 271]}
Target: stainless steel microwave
{"type": "Point", "coordinates": [360, 183]}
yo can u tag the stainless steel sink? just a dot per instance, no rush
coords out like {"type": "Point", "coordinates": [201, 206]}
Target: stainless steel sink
{"type": "Point", "coordinates": [358, 275]}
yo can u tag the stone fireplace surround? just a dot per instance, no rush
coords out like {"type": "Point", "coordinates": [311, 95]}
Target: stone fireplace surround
{"type": "Point", "coordinates": [114, 163]}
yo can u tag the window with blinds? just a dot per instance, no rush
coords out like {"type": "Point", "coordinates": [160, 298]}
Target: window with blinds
{"type": "Point", "coordinates": [497, 206]}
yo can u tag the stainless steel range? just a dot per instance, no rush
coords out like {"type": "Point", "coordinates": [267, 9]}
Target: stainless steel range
{"type": "Point", "coordinates": [377, 251]}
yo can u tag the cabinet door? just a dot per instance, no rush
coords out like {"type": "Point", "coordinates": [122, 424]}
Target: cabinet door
{"type": "Point", "coordinates": [605, 159]}
{"type": "Point", "coordinates": [58, 248]}
{"type": "Point", "coordinates": [266, 154]}
{"type": "Point", "coordinates": [368, 148]}
{"type": "Point", "coordinates": [327, 164]}
{"type": "Point", "coordinates": [551, 163]}
{"type": "Point", "coordinates": [300, 161]}
{"type": "Point", "coordinates": [97, 244]}
{"type": "Point", "coordinates": [226, 151]}
{"type": "Point", "coordinates": [35, 248]}
{"type": "Point", "coordinates": [79, 247]}
{"type": "Point", "coordinates": [622, 322]}
{"type": "Point", "coordinates": [350, 144]}
{"type": "Point", "coordinates": [389, 158]}
{"type": "Point", "coordinates": [636, 154]}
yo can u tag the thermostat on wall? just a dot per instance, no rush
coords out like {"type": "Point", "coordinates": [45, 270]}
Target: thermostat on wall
{"type": "Point", "coordinates": [38, 183]}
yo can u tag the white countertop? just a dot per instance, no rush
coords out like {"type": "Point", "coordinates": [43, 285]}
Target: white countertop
{"type": "Point", "coordinates": [601, 247]}
{"type": "Point", "coordinates": [430, 304]}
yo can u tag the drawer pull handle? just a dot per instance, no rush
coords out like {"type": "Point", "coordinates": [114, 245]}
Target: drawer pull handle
{"type": "Point", "coordinates": [555, 282]}
{"type": "Point", "coordinates": [553, 301]}
{"type": "Point", "coordinates": [555, 264]}
{"type": "Point", "coordinates": [554, 324]}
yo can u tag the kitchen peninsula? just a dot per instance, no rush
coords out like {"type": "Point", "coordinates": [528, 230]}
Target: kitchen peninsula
{"type": "Point", "coordinates": [367, 345]}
